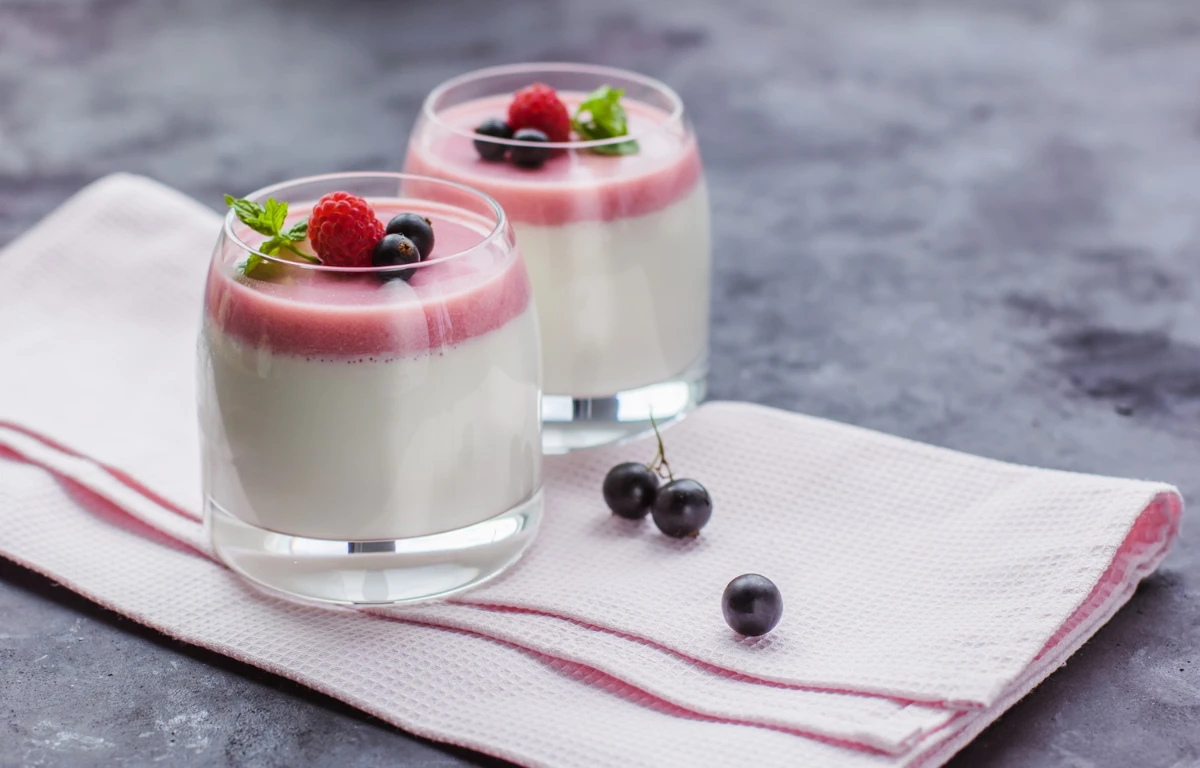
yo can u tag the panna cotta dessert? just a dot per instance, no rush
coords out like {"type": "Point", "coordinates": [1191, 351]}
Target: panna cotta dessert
{"type": "Point", "coordinates": [601, 176]}
{"type": "Point", "coordinates": [370, 390]}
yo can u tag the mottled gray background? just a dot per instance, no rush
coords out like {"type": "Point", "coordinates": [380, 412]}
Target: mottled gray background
{"type": "Point", "coordinates": [970, 222]}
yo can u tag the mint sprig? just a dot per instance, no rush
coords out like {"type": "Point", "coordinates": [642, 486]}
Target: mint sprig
{"type": "Point", "coordinates": [268, 220]}
{"type": "Point", "coordinates": [601, 116]}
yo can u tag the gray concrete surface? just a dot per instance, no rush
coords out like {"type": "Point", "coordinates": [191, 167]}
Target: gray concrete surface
{"type": "Point", "coordinates": [970, 222]}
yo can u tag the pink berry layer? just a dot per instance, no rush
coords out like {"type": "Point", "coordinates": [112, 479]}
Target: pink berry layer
{"type": "Point", "coordinates": [355, 318]}
{"type": "Point", "coordinates": [572, 186]}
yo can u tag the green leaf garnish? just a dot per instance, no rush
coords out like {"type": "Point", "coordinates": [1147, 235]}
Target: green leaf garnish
{"type": "Point", "coordinates": [268, 220]}
{"type": "Point", "coordinates": [299, 231]}
{"type": "Point", "coordinates": [624, 148]}
{"type": "Point", "coordinates": [260, 269]}
{"type": "Point", "coordinates": [275, 214]}
{"type": "Point", "coordinates": [253, 265]}
{"type": "Point", "coordinates": [601, 116]}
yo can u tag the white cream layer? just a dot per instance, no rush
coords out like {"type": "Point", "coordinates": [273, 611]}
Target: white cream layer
{"type": "Point", "coordinates": [622, 304]}
{"type": "Point", "coordinates": [373, 450]}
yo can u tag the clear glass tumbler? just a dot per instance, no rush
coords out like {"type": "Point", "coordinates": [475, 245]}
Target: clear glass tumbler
{"type": "Point", "coordinates": [370, 438]}
{"type": "Point", "coordinates": [615, 232]}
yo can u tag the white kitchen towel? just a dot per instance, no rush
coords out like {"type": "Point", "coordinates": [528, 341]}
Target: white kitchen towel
{"type": "Point", "coordinates": [450, 686]}
{"type": "Point", "coordinates": [908, 572]}
{"type": "Point", "coordinates": [865, 721]}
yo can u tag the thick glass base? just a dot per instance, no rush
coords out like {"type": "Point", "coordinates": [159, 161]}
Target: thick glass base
{"type": "Point", "coordinates": [375, 572]}
{"type": "Point", "coordinates": [571, 424]}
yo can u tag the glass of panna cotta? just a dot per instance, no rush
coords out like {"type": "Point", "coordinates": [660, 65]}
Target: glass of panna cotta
{"type": "Point", "coordinates": [369, 389]}
{"type": "Point", "coordinates": [599, 172]}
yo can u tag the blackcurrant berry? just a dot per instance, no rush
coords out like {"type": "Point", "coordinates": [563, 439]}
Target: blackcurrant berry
{"type": "Point", "coordinates": [529, 156]}
{"type": "Point", "coordinates": [490, 150]}
{"type": "Point", "coordinates": [629, 490]}
{"type": "Point", "coordinates": [752, 605]}
{"type": "Point", "coordinates": [392, 251]}
{"type": "Point", "coordinates": [416, 228]}
{"type": "Point", "coordinates": [682, 508]}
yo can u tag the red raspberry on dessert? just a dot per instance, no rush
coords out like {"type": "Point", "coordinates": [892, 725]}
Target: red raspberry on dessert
{"type": "Point", "coordinates": [538, 106]}
{"type": "Point", "coordinates": [343, 230]}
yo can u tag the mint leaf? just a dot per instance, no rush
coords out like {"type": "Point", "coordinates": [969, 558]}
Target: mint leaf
{"type": "Point", "coordinates": [252, 263]}
{"type": "Point", "coordinates": [269, 220]}
{"type": "Point", "coordinates": [275, 214]}
{"type": "Point", "coordinates": [601, 116]}
{"type": "Point", "coordinates": [624, 148]}
{"type": "Point", "coordinates": [298, 232]}
{"type": "Point", "coordinates": [258, 268]}
{"type": "Point", "coordinates": [244, 207]}
{"type": "Point", "coordinates": [251, 214]}
{"type": "Point", "coordinates": [263, 220]}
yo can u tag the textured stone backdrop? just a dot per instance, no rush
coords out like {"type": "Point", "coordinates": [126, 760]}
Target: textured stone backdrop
{"type": "Point", "coordinates": [968, 222]}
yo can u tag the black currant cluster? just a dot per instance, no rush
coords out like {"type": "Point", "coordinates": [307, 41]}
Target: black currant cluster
{"type": "Point", "coordinates": [527, 156]}
{"type": "Point", "coordinates": [680, 508]}
{"type": "Point", "coordinates": [407, 240]}
{"type": "Point", "coordinates": [752, 604]}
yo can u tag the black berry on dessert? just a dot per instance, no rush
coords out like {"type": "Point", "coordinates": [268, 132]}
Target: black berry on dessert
{"type": "Point", "coordinates": [497, 129]}
{"type": "Point", "coordinates": [416, 228]}
{"type": "Point", "coordinates": [529, 156]}
{"type": "Point", "coordinates": [752, 605]}
{"type": "Point", "coordinates": [538, 106]}
{"type": "Point", "coordinates": [630, 489]}
{"type": "Point", "coordinates": [343, 230]}
{"type": "Point", "coordinates": [393, 251]}
{"type": "Point", "coordinates": [682, 508]}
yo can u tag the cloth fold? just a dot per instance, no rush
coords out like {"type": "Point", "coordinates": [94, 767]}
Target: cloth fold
{"type": "Point", "coordinates": [925, 590]}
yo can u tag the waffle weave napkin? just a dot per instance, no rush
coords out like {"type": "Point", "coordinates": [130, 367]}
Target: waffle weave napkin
{"type": "Point", "coordinates": [925, 590]}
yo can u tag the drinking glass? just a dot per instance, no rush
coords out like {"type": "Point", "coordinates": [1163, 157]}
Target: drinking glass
{"type": "Point", "coordinates": [370, 437]}
{"type": "Point", "coordinates": [617, 243]}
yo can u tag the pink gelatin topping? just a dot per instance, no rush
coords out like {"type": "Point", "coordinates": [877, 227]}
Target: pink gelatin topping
{"type": "Point", "coordinates": [572, 186]}
{"type": "Point", "coordinates": [468, 289]}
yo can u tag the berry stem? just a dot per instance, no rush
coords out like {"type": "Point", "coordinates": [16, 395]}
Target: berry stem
{"type": "Point", "coordinates": [660, 459]}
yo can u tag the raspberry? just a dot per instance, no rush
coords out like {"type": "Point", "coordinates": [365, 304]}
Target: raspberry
{"type": "Point", "coordinates": [538, 106]}
{"type": "Point", "coordinates": [343, 230]}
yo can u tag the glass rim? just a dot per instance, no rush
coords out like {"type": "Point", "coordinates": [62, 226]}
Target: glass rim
{"type": "Point", "coordinates": [430, 114]}
{"type": "Point", "coordinates": [497, 230]}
